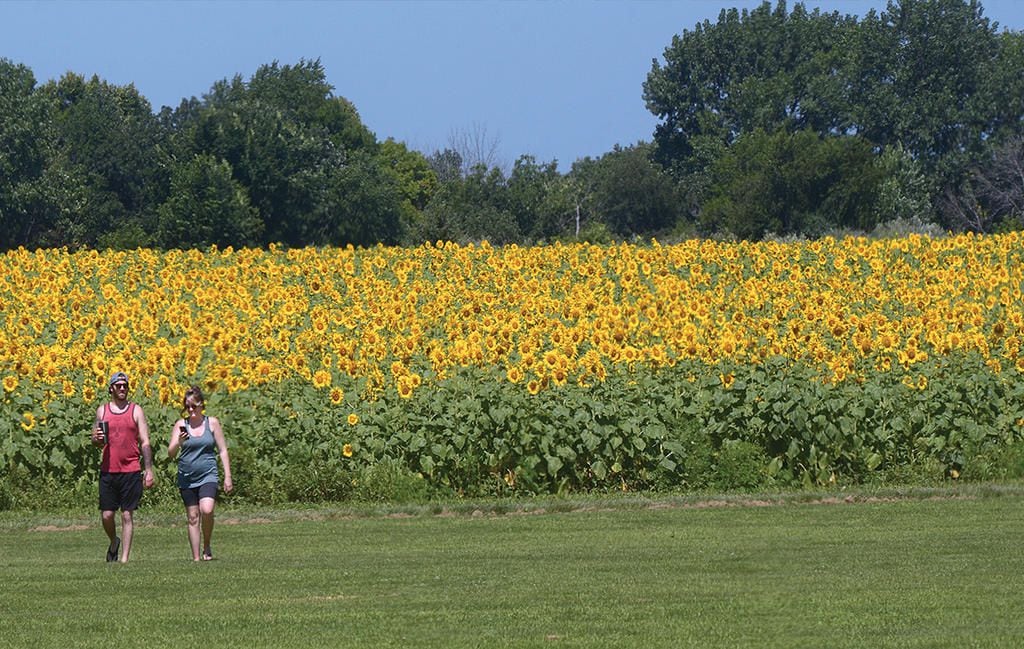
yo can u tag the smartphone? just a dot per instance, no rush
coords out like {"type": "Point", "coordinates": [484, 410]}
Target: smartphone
{"type": "Point", "coordinates": [182, 432]}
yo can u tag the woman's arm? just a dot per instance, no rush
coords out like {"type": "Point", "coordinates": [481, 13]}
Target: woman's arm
{"type": "Point", "coordinates": [176, 438]}
{"type": "Point", "coordinates": [218, 436]}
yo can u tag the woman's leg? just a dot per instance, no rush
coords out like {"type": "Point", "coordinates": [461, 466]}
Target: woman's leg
{"type": "Point", "coordinates": [206, 506]}
{"type": "Point", "coordinates": [192, 514]}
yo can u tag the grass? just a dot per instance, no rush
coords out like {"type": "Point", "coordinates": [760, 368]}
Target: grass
{"type": "Point", "coordinates": [927, 569]}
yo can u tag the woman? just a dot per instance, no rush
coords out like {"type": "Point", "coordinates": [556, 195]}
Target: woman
{"type": "Point", "coordinates": [197, 436]}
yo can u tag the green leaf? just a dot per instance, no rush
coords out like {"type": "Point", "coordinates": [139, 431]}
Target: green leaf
{"type": "Point", "coordinates": [873, 461]}
{"type": "Point", "coordinates": [427, 464]}
{"type": "Point", "coordinates": [553, 464]}
{"type": "Point", "coordinates": [58, 459]}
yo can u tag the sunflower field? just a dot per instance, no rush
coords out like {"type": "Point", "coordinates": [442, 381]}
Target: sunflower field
{"type": "Point", "coordinates": [483, 370]}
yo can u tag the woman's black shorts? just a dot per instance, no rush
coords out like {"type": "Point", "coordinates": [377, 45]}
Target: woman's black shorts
{"type": "Point", "coordinates": [191, 495]}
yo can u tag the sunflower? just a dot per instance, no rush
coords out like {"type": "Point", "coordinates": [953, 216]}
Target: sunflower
{"type": "Point", "coordinates": [353, 419]}
{"type": "Point", "coordinates": [346, 450]}
{"type": "Point", "coordinates": [405, 388]}
{"type": "Point", "coordinates": [28, 421]}
{"type": "Point", "coordinates": [559, 376]}
{"type": "Point", "coordinates": [10, 383]}
{"type": "Point", "coordinates": [264, 369]}
{"type": "Point", "coordinates": [337, 395]}
{"type": "Point", "coordinates": [99, 365]}
{"type": "Point", "coordinates": [321, 379]}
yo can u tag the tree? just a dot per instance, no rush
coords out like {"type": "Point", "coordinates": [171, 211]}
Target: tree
{"type": "Point", "coordinates": [108, 136]}
{"type": "Point", "coordinates": [992, 197]}
{"type": "Point", "coordinates": [416, 180]}
{"type": "Point", "coordinates": [360, 205]}
{"type": "Point", "coordinates": [540, 198]}
{"type": "Point", "coordinates": [23, 156]}
{"type": "Point", "coordinates": [793, 183]}
{"type": "Point", "coordinates": [904, 193]}
{"type": "Point", "coordinates": [475, 208]}
{"type": "Point", "coordinates": [764, 68]}
{"type": "Point", "coordinates": [275, 157]}
{"type": "Point", "coordinates": [930, 77]}
{"type": "Point", "coordinates": [447, 165]}
{"type": "Point", "coordinates": [302, 154]}
{"type": "Point", "coordinates": [300, 91]}
{"type": "Point", "coordinates": [630, 193]}
{"type": "Point", "coordinates": [934, 77]}
{"type": "Point", "coordinates": [340, 119]}
{"type": "Point", "coordinates": [207, 206]}
{"type": "Point", "coordinates": [476, 148]}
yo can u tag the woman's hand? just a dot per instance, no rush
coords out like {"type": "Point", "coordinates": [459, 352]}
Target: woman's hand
{"type": "Point", "coordinates": [178, 435]}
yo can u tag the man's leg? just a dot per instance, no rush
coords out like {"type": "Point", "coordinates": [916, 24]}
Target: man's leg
{"type": "Point", "coordinates": [110, 527]}
{"type": "Point", "coordinates": [127, 527]}
{"type": "Point", "coordinates": [109, 504]}
{"type": "Point", "coordinates": [131, 494]}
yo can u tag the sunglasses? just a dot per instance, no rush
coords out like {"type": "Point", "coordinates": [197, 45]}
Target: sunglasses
{"type": "Point", "coordinates": [193, 406]}
{"type": "Point", "coordinates": [120, 386]}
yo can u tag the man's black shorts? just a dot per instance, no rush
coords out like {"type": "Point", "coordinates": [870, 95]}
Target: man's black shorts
{"type": "Point", "coordinates": [120, 491]}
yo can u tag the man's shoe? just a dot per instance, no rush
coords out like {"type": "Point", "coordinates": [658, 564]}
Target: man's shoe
{"type": "Point", "coordinates": [112, 550]}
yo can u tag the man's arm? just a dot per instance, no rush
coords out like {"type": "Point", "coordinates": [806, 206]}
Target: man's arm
{"type": "Point", "coordinates": [144, 447]}
{"type": "Point", "coordinates": [96, 435]}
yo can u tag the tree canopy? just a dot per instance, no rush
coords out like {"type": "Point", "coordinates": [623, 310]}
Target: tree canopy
{"type": "Point", "coordinates": [777, 120]}
{"type": "Point", "coordinates": [932, 77]}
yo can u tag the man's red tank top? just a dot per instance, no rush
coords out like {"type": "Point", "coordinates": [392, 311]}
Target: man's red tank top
{"type": "Point", "coordinates": [121, 454]}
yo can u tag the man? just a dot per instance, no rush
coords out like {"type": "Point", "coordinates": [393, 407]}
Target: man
{"type": "Point", "coordinates": [120, 481]}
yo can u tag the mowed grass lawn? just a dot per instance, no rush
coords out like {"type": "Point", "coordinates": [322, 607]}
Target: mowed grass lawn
{"type": "Point", "coordinates": [943, 571]}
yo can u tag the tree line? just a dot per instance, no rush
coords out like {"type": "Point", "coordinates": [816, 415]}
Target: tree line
{"type": "Point", "coordinates": [772, 122]}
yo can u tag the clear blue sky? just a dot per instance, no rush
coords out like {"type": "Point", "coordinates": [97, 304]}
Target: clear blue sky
{"type": "Point", "coordinates": [557, 80]}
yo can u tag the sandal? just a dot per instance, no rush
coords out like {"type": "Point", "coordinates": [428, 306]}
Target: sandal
{"type": "Point", "coordinates": [113, 548]}
{"type": "Point", "coordinates": [207, 555]}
